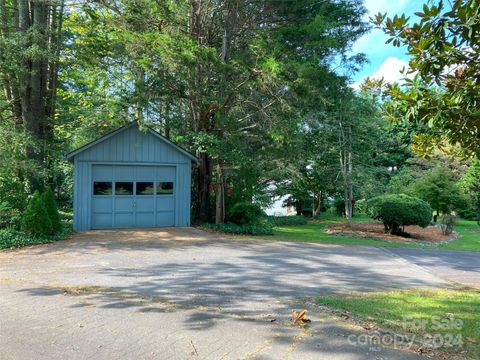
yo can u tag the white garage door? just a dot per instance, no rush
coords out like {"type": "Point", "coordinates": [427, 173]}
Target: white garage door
{"type": "Point", "coordinates": [132, 196]}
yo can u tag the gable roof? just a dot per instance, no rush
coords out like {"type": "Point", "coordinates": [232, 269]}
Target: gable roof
{"type": "Point", "coordinates": [163, 139]}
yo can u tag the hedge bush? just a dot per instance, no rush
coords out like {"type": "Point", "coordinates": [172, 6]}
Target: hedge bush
{"type": "Point", "coordinates": [287, 220]}
{"type": "Point", "coordinates": [36, 220]}
{"type": "Point", "coordinates": [398, 210]}
{"type": "Point", "coordinates": [52, 210]}
{"type": "Point", "coordinates": [243, 213]}
{"type": "Point", "coordinates": [259, 228]}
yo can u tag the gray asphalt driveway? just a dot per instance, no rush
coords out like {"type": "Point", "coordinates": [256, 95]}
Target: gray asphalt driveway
{"type": "Point", "coordinates": [462, 267]}
{"type": "Point", "coordinates": [184, 294]}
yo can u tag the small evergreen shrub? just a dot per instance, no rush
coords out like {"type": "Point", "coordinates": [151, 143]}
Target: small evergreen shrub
{"type": "Point", "coordinates": [245, 213]}
{"type": "Point", "coordinates": [52, 210]}
{"type": "Point", "coordinates": [287, 220]}
{"type": "Point", "coordinates": [36, 220]}
{"type": "Point", "coordinates": [398, 210]}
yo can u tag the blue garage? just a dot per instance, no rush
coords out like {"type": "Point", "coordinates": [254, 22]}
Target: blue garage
{"type": "Point", "coordinates": [131, 179]}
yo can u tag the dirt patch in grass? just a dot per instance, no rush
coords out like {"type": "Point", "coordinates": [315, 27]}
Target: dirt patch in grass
{"type": "Point", "coordinates": [375, 230]}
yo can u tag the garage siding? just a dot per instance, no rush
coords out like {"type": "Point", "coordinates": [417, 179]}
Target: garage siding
{"type": "Point", "coordinates": [130, 147]}
{"type": "Point", "coordinates": [133, 145]}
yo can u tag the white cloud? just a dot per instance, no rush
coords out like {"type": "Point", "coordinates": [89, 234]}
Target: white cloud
{"type": "Point", "coordinates": [385, 60]}
{"type": "Point", "coordinates": [390, 71]}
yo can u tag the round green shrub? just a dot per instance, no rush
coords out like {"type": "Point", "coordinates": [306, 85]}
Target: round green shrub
{"type": "Point", "coordinates": [245, 213]}
{"type": "Point", "coordinates": [52, 210]}
{"type": "Point", "coordinates": [398, 210]}
{"type": "Point", "coordinates": [35, 219]}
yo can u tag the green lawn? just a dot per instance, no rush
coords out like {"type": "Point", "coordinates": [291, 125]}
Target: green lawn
{"type": "Point", "coordinates": [451, 315]}
{"type": "Point", "coordinates": [469, 237]}
{"type": "Point", "coordinates": [314, 232]}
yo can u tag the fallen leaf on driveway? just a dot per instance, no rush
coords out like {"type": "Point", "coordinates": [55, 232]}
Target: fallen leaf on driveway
{"type": "Point", "coordinates": [300, 318]}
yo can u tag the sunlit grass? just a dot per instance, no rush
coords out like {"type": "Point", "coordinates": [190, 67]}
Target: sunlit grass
{"type": "Point", "coordinates": [314, 232]}
{"type": "Point", "coordinates": [419, 312]}
{"type": "Point", "coordinates": [469, 237]}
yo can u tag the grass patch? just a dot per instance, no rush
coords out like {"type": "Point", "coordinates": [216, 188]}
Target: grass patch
{"type": "Point", "coordinates": [260, 228]}
{"type": "Point", "coordinates": [405, 310]}
{"type": "Point", "coordinates": [314, 232]}
{"type": "Point", "coordinates": [287, 220]}
{"type": "Point", "coordinates": [469, 237]}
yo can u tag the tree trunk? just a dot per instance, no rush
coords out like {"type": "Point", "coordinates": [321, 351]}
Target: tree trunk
{"type": "Point", "coordinates": [317, 204]}
{"type": "Point", "coordinates": [346, 166]}
{"type": "Point", "coordinates": [139, 75]}
{"type": "Point", "coordinates": [298, 208]}
{"type": "Point", "coordinates": [56, 27]}
{"type": "Point", "coordinates": [203, 187]}
{"type": "Point", "coordinates": [349, 208]}
{"type": "Point", "coordinates": [167, 127]}
{"type": "Point", "coordinates": [219, 197]}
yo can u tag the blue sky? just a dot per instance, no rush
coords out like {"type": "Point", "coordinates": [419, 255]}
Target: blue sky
{"type": "Point", "coordinates": [384, 59]}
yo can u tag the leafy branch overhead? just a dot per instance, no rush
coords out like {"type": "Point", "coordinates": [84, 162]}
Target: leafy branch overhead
{"type": "Point", "coordinates": [441, 86]}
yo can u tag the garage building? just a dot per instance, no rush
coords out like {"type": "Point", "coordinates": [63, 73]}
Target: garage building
{"type": "Point", "coordinates": [131, 179]}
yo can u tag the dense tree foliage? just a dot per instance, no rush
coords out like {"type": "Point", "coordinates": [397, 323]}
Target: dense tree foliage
{"type": "Point", "coordinates": [438, 188]}
{"type": "Point", "coordinates": [30, 41]}
{"type": "Point", "coordinates": [250, 87]}
{"type": "Point", "coordinates": [233, 81]}
{"type": "Point", "coordinates": [471, 187]}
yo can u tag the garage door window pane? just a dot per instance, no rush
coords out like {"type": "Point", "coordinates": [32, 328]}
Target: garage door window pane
{"type": "Point", "coordinates": [102, 188]}
{"type": "Point", "coordinates": [165, 188]}
{"type": "Point", "coordinates": [144, 188]}
{"type": "Point", "coordinates": [124, 188]}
